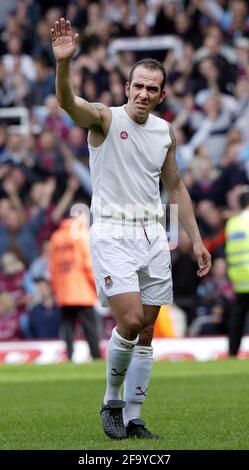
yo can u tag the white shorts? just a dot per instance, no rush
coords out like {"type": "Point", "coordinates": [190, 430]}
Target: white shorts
{"type": "Point", "coordinates": [131, 259]}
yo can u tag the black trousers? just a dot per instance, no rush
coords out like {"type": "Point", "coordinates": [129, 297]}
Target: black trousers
{"type": "Point", "coordinates": [188, 305]}
{"type": "Point", "coordinates": [90, 327]}
{"type": "Point", "coordinates": [237, 322]}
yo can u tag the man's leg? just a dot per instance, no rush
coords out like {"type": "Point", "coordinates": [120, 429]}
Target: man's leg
{"type": "Point", "coordinates": [138, 376]}
{"type": "Point", "coordinates": [89, 321]}
{"type": "Point", "coordinates": [68, 319]}
{"type": "Point", "coordinates": [128, 312]}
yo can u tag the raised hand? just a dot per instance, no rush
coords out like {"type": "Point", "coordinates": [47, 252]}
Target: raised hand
{"type": "Point", "coordinates": [63, 42]}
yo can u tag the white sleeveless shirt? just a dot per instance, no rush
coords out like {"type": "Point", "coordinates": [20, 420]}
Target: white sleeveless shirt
{"type": "Point", "coordinates": [125, 169]}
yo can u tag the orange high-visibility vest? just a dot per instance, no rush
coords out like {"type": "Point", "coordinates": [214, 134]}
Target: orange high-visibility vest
{"type": "Point", "coordinates": [70, 266]}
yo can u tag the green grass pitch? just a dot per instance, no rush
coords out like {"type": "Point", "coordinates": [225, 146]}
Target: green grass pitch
{"type": "Point", "coordinates": [193, 405]}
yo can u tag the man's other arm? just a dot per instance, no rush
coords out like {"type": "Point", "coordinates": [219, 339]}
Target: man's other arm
{"type": "Point", "coordinates": [178, 194]}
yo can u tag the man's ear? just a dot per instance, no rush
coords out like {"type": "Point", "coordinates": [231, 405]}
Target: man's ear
{"type": "Point", "coordinates": [127, 89]}
{"type": "Point", "coordinates": [162, 97]}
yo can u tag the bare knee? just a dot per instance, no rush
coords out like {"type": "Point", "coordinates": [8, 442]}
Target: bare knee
{"type": "Point", "coordinates": [128, 311]}
{"type": "Point", "coordinates": [130, 325]}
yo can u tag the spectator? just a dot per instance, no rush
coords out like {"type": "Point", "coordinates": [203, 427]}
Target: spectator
{"type": "Point", "coordinates": [73, 284]}
{"type": "Point", "coordinates": [12, 296]}
{"type": "Point", "coordinates": [44, 84]}
{"type": "Point", "coordinates": [20, 237]}
{"type": "Point", "coordinates": [237, 250]}
{"type": "Point", "coordinates": [77, 142]}
{"type": "Point", "coordinates": [214, 297]}
{"type": "Point", "coordinates": [8, 91]}
{"type": "Point", "coordinates": [39, 269]}
{"type": "Point", "coordinates": [213, 129]}
{"type": "Point", "coordinates": [14, 54]}
{"type": "Point", "coordinates": [41, 194]}
{"type": "Point", "coordinates": [42, 46]}
{"type": "Point", "coordinates": [184, 277]}
{"type": "Point", "coordinates": [215, 238]}
{"type": "Point", "coordinates": [49, 155]}
{"type": "Point", "coordinates": [44, 318]}
{"type": "Point", "coordinates": [232, 174]}
{"type": "Point", "coordinates": [202, 188]}
{"type": "Point", "coordinates": [56, 118]}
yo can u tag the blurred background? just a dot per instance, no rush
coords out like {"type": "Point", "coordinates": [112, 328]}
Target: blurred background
{"type": "Point", "coordinates": [44, 171]}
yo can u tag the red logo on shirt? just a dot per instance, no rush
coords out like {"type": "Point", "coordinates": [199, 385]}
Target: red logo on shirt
{"type": "Point", "coordinates": [124, 135]}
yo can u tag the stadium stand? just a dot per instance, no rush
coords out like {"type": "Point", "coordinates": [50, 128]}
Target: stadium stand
{"type": "Point", "coordinates": [44, 169]}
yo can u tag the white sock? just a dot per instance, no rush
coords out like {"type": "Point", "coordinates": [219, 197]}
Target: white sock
{"type": "Point", "coordinates": [119, 354]}
{"type": "Point", "coordinates": [136, 382]}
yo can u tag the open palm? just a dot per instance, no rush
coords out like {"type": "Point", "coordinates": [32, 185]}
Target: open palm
{"type": "Point", "coordinates": [63, 42]}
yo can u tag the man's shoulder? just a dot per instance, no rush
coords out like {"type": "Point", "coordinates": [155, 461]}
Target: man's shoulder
{"type": "Point", "coordinates": [116, 109]}
{"type": "Point", "coordinates": [159, 120]}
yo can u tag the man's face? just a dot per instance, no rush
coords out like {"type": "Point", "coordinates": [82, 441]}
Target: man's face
{"type": "Point", "coordinates": [144, 92]}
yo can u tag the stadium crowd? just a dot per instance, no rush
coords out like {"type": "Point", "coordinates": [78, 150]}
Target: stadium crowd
{"type": "Point", "coordinates": [44, 170]}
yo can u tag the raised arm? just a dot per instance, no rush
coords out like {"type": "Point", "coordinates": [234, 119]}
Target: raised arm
{"type": "Point", "coordinates": [178, 194]}
{"type": "Point", "coordinates": [93, 116]}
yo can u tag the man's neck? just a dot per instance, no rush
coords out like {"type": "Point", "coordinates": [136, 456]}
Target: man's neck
{"type": "Point", "coordinates": [136, 119]}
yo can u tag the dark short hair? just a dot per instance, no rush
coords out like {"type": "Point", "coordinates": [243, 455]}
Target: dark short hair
{"type": "Point", "coordinates": [151, 64]}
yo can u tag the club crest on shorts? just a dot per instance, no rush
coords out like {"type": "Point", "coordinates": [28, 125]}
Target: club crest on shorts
{"type": "Point", "coordinates": [108, 282]}
{"type": "Point", "coordinates": [124, 135]}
